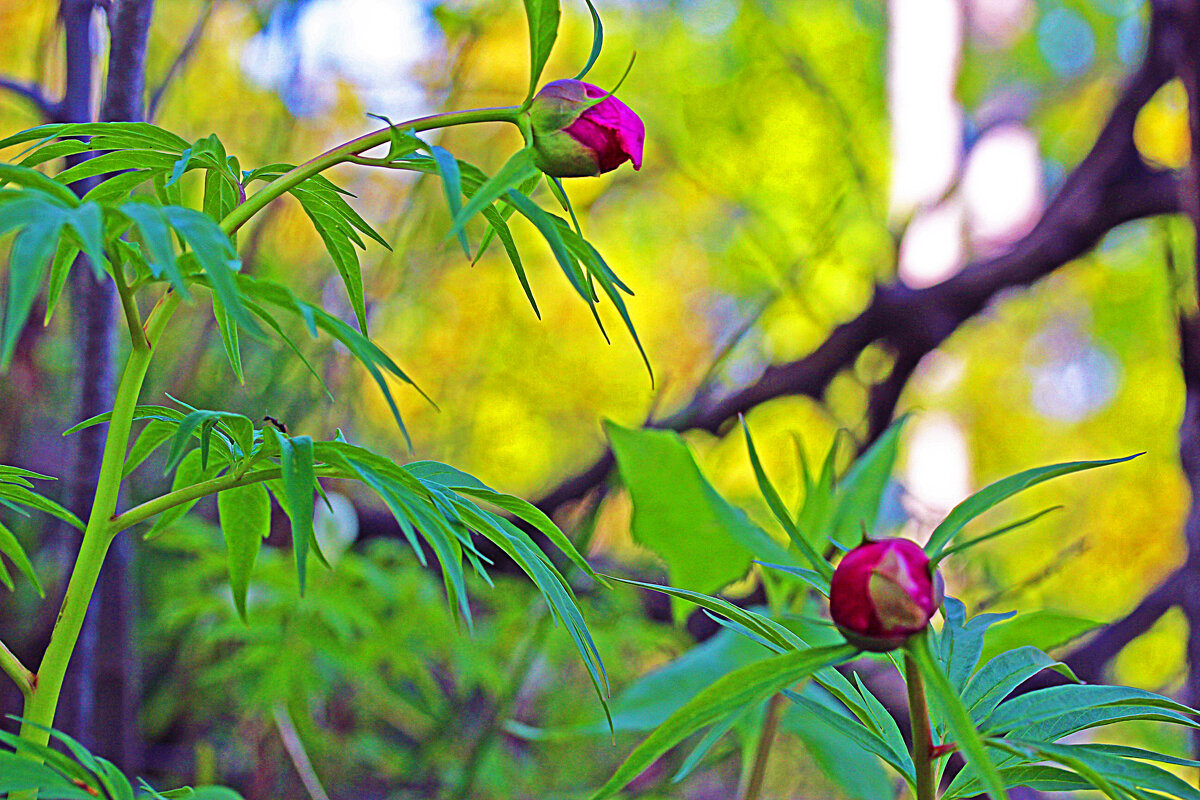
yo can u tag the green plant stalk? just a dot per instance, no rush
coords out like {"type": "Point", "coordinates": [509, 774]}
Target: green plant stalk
{"type": "Point", "coordinates": [165, 502]}
{"type": "Point", "coordinates": [42, 702]}
{"type": "Point", "coordinates": [13, 667]}
{"type": "Point", "coordinates": [922, 734]}
{"type": "Point", "coordinates": [491, 729]}
{"type": "Point", "coordinates": [344, 152]}
{"type": "Point", "coordinates": [758, 773]}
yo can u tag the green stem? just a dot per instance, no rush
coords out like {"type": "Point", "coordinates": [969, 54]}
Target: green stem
{"type": "Point", "coordinates": [137, 334]}
{"type": "Point", "coordinates": [922, 735]}
{"type": "Point", "coordinates": [344, 152]}
{"type": "Point", "coordinates": [491, 729]}
{"type": "Point", "coordinates": [13, 667]}
{"type": "Point", "coordinates": [42, 701]}
{"type": "Point", "coordinates": [758, 773]}
{"type": "Point", "coordinates": [165, 502]}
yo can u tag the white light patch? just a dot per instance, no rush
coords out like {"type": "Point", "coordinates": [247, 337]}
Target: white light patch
{"type": "Point", "coordinates": [937, 471]}
{"type": "Point", "coordinates": [373, 45]}
{"type": "Point", "coordinates": [996, 24]}
{"type": "Point", "coordinates": [924, 44]}
{"type": "Point", "coordinates": [932, 249]}
{"type": "Point", "coordinates": [1002, 187]}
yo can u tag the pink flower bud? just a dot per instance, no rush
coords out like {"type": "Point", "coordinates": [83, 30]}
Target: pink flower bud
{"type": "Point", "coordinates": [883, 592]}
{"type": "Point", "coordinates": [573, 139]}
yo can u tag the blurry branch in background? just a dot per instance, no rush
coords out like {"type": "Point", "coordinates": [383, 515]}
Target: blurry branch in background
{"type": "Point", "coordinates": [296, 752]}
{"type": "Point", "coordinates": [1109, 187]}
{"type": "Point", "coordinates": [31, 92]}
{"type": "Point", "coordinates": [181, 59]}
{"type": "Point", "coordinates": [1184, 54]}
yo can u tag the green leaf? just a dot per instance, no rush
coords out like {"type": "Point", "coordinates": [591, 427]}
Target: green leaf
{"type": "Point", "coordinates": [1003, 674]}
{"type": "Point", "coordinates": [823, 567]}
{"type": "Point", "coordinates": [1048, 704]}
{"type": "Point", "coordinates": [860, 491]}
{"type": "Point", "coordinates": [750, 684]}
{"type": "Point", "coordinates": [1043, 629]}
{"type": "Point", "coordinates": [156, 235]}
{"type": "Point", "coordinates": [958, 719]}
{"type": "Point", "coordinates": [765, 628]}
{"type": "Point", "coordinates": [999, 491]}
{"type": "Point", "coordinates": [466, 484]}
{"type": "Point", "coordinates": [31, 178]}
{"type": "Point", "coordinates": [31, 252]}
{"type": "Point", "coordinates": [10, 547]}
{"type": "Point", "coordinates": [245, 516]}
{"type": "Point", "coordinates": [961, 641]}
{"type": "Point", "coordinates": [810, 714]}
{"type": "Point", "coordinates": [705, 542]}
{"type": "Point", "coordinates": [22, 496]}
{"type": "Point", "coordinates": [597, 40]}
{"type": "Point", "coordinates": [229, 338]}
{"type": "Point", "coordinates": [299, 480]}
{"type": "Point", "coordinates": [543, 17]}
{"type": "Point", "coordinates": [957, 548]}
{"type": "Point", "coordinates": [518, 168]}
{"type": "Point", "coordinates": [452, 183]}
{"type": "Point", "coordinates": [188, 473]}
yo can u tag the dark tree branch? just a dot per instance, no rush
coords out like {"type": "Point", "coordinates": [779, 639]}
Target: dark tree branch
{"type": "Point", "coordinates": [1110, 187]}
{"type": "Point", "coordinates": [181, 59]}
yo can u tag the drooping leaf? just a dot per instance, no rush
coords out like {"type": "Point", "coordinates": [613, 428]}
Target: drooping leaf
{"type": "Point", "coordinates": [245, 516]}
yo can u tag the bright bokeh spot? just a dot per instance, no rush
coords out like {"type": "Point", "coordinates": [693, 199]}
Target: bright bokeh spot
{"type": "Point", "coordinates": [932, 249]}
{"type": "Point", "coordinates": [926, 36]}
{"type": "Point", "coordinates": [1002, 187]}
{"type": "Point", "coordinates": [937, 471]}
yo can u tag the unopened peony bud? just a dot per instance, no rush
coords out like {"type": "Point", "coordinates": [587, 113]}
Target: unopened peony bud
{"type": "Point", "coordinates": [883, 592]}
{"type": "Point", "coordinates": [573, 139]}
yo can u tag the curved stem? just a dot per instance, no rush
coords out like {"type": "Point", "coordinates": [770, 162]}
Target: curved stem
{"type": "Point", "coordinates": [922, 736]}
{"type": "Point", "coordinates": [284, 183]}
{"type": "Point", "coordinates": [758, 773]}
{"type": "Point", "coordinates": [42, 701]}
{"type": "Point", "coordinates": [13, 667]}
{"type": "Point", "coordinates": [187, 494]}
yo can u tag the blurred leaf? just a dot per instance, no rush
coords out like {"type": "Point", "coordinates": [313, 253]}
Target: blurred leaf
{"type": "Point", "coordinates": [705, 542]}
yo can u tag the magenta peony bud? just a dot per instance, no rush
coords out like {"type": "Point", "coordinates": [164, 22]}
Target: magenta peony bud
{"type": "Point", "coordinates": [883, 592]}
{"type": "Point", "coordinates": [575, 140]}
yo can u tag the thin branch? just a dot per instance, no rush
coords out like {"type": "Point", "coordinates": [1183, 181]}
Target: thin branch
{"type": "Point", "coordinates": [297, 753]}
{"type": "Point", "coordinates": [181, 59]}
{"type": "Point", "coordinates": [13, 667]}
{"type": "Point", "coordinates": [1089, 660]}
{"type": "Point", "coordinates": [31, 92]}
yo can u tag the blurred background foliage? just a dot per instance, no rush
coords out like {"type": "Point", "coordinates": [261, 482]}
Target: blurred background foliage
{"type": "Point", "coordinates": [767, 210]}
